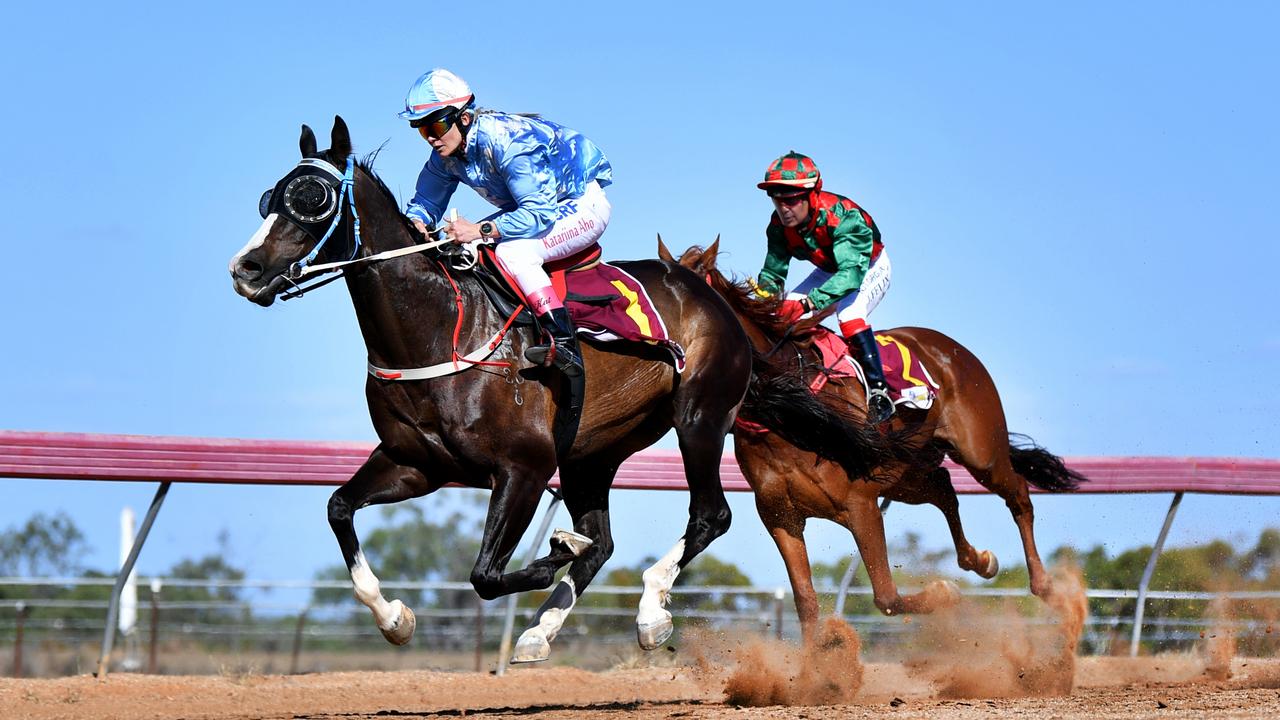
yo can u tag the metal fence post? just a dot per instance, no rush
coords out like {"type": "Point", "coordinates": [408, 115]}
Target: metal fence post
{"type": "Point", "coordinates": [297, 641]}
{"type": "Point", "coordinates": [1148, 572]}
{"type": "Point", "coordinates": [479, 633]}
{"type": "Point", "coordinates": [113, 610]}
{"type": "Point", "coordinates": [152, 664]}
{"type": "Point", "coordinates": [21, 607]}
{"type": "Point", "coordinates": [778, 595]}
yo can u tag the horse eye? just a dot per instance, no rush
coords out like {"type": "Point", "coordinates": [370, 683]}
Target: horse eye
{"type": "Point", "coordinates": [264, 204]}
{"type": "Point", "coordinates": [309, 198]}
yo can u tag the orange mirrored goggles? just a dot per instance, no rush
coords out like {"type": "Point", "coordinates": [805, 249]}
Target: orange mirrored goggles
{"type": "Point", "coordinates": [436, 125]}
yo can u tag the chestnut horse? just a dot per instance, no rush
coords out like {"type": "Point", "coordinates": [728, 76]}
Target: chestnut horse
{"type": "Point", "coordinates": [477, 422]}
{"type": "Point", "coordinates": [966, 422]}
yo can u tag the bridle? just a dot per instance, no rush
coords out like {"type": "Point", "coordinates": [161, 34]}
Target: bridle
{"type": "Point", "coordinates": [337, 193]}
{"type": "Point", "coordinates": [315, 191]}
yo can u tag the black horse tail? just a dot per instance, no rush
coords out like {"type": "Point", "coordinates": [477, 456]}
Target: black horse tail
{"type": "Point", "coordinates": [781, 401]}
{"type": "Point", "coordinates": [1041, 467]}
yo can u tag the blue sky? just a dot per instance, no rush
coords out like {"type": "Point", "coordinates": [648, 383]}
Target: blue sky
{"type": "Point", "coordinates": [1083, 195]}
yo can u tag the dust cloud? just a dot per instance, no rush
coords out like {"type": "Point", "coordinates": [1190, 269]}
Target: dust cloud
{"type": "Point", "coordinates": [826, 671]}
{"type": "Point", "coordinates": [1220, 642]}
{"type": "Point", "coordinates": [981, 651]}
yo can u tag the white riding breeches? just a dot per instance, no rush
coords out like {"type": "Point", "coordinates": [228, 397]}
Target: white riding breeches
{"type": "Point", "coordinates": [852, 309]}
{"type": "Point", "coordinates": [579, 224]}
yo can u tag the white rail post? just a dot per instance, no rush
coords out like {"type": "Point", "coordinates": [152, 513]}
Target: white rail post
{"type": "Point", "coordinates": [128, 620]}
{"type": "Point", "coordinates": [1148, 572]}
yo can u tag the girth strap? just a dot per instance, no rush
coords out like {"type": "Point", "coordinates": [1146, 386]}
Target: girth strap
{"type": "Point", "coordinates": [441, 369]}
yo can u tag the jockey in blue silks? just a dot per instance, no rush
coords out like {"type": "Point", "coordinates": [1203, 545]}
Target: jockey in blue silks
{"type": "Point", "coordinates": [546, 180]}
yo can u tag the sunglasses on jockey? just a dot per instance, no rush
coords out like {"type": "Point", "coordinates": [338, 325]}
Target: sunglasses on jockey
{"type": "Point", "coordinates": [787, 194]}
{"type": "Point", "coordinates": [437, 124]}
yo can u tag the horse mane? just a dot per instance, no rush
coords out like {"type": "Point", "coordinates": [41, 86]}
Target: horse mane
{"type": "Point", "coordinates": [761, 312]}
{"type": "Point", "coordinates": [366, 164]}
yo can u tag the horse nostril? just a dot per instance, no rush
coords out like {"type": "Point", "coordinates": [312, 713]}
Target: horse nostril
{"type": "Point", "coordinates": [248, 270]}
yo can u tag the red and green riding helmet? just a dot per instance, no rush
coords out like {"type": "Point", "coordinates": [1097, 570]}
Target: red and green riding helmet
{"type": "Point", "coordinates": [793, 170]}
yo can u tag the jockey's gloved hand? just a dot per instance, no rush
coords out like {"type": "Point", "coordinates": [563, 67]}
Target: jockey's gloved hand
{"type": "Point", "coordinates": [792, 310]}
{"type": "Point", "coordinates": [757, 290]}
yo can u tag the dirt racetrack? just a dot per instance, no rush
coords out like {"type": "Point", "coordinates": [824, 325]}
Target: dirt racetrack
{"type": "Point", "coordinates": [1160, 687]}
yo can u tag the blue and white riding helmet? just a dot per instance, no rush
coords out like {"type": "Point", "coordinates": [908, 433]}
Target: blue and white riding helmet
{"type": "Point", "coordinates": [436, 89]}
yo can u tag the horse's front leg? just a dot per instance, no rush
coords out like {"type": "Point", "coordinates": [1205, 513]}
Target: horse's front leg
{"type": "Point", "coordinates": [867, 525]}
{"type": "Point", "coordinates": [516, 492]}
{"type": "Point", "coordinates": [701, 443]}
{"type": "Point", "coordinates": [378, 481]}
{"type": "Point", "coordinates": [788, 535]}
{"type": "Point", "coordinates": [586, 496]}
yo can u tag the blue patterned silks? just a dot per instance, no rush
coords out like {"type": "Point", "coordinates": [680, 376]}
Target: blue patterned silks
{"type": "Point", "coordinates": [522, 165]}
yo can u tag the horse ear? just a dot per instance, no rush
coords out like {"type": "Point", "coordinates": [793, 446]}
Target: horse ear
{"type": "Point", "coordinates": [307, 143]}
{"type": "Point", "coordinates": [663, 252]}
{"type": "Point", "coordinates": [340, 138]}
{"type": "Point", "coordinates": [708, 261]}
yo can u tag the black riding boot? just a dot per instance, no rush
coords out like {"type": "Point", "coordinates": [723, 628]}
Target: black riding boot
{"type": "Point", "coordinates": [561, 350]}
{"type": "Point", "coordinates": [864, 348]}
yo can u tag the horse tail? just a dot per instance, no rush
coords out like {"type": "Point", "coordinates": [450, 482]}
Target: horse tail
{"type": "Point", "coordinates": [1041, 467]}
{"type": "Point", "coordinates": [781, 401]}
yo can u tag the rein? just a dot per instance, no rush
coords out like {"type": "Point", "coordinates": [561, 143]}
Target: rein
{"type": "Point", "coordinates": [303, 269]}
{"type": "Point", "coordinates": [455, 364]}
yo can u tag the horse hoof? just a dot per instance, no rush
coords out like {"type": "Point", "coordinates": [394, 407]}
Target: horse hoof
{"type": "Point", "coordinates": [402, 631]}
{"type": "Point", "coordinates": [992, 567]}
{"type": "Point", "coordinates": [943, 593]}
{"type": "Point", "coordinates": [652, 635]}
{"type": "Point", "coordinates": [571, 541]}
{"type": "Point", "coordinates": [531, 647]}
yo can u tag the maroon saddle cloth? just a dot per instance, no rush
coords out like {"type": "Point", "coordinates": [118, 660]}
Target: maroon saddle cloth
{"type": "Point", "coordinates": [606, 303]}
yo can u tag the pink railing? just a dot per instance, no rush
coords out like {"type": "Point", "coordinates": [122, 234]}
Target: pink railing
{"type": "Point", "coordinates": [82, 456]}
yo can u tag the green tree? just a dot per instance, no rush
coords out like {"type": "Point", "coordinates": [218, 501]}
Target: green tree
{"type": "Point", "coordinates": [43, 545]}
{"type": "Point", "coordinates": [709, 570]}
{"type": "Point", "coordinates": [46, 546]}
{"type": "Point", "coordinates": [214, 566]}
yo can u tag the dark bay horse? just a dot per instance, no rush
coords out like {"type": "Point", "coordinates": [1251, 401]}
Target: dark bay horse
{"type": "Point", "coordinates": [966, 422]}
{"type": "Point", "coordinates": [481, 425]}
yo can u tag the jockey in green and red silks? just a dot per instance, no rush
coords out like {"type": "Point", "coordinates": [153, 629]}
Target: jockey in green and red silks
{"type": "Point", "coordinates": [840, 238]}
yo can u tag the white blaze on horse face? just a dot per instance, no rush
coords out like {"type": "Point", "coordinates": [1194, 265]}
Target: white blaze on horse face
{"type": "Point", "coordinates": [657, 585]}
{"type": "Point", "coordinates": [369, 592]}
{"type": "Point", "coordinates": [255, 242]}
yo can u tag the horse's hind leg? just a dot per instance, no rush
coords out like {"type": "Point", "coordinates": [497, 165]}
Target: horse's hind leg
{"type": "Point", "coordinates": [935, 488]}
{"type": "Point", "coordinates": [378, 481]}
{"type": "Point", "coordinates": [701, 437]}
{"type": "Point", "coordinates": [998, 476]}
{"type": "Point", "coordinates": [588, 504]}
